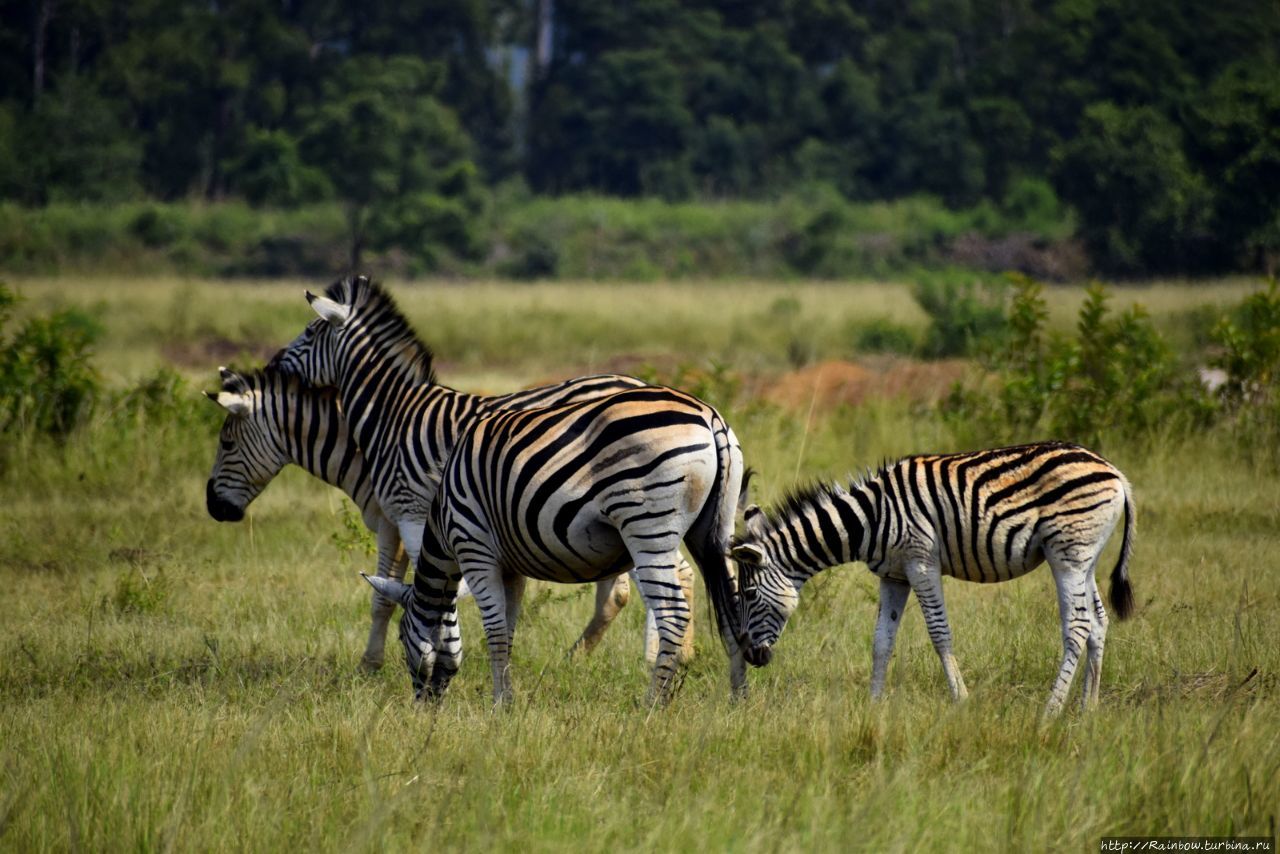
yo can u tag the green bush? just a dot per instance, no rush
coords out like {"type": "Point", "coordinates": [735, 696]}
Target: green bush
{"type": "Point", "coordinates": [1115, 378]}
{"type": "Point", "coordinates": [964, 316]}
{"type": "Point", "coordinates": [882, 335]}
{"type": "Point", "coordinates": [47, 385]}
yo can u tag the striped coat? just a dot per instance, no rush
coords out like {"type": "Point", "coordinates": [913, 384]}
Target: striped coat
{"type": "Point", "coordinates": [986, 516]}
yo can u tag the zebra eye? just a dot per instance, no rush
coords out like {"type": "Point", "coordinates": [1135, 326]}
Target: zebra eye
{"type": "Point", "coordinates": [227, 444]}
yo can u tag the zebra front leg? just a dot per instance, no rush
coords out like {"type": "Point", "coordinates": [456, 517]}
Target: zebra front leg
{"type": "Point", "coordinates": [1095, 643]}
{"type": "Point", "coordinates": [1076, 612]}
{"type": "Point", "coordinates": [664, 597]}
{"type": "Point", "coordinates": [893, 601]}
{"type": "Point", "coordinates": [486, 583]}
{"type": "Point", "coordinates": [392, 561]}
{"type": "Point", "coordinates": [926, 581]}
{"type": "Point", "coordinates": [612, 595]}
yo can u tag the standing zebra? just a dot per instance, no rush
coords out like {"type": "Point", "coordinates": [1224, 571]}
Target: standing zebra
{"type": "Point", "coordinates": [985, 516]}
{"type": "Point", "coordinates": [273, 419]}
{"type": "Point", "coordinates": [570, 494]}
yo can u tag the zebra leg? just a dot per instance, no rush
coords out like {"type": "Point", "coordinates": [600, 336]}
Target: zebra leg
{"type": "Point", "coordinates": [486, 583]}
{"type": "Point", "coordinates": [1095, 643]}
{"type": "Point", "coordinates": [684, 571]}
{"type": "Point", "coordinates": [1075, 610]}
{"type": "Point", "coordinates": [612, 595]}
{"type": "Point", "coordinates": [392, 561]}
{"type": "Point", "coordinates": [513, 587]}
{"type": "Point", "coordinates": [660, 587]}
{"type": "Point", "coordinates": [448, 636]}
{"type": "Point", "coordinates": [926, 581]}
{"type": "Point", "coordinates": [893, 599]}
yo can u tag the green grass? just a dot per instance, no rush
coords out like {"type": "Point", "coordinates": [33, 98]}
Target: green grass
{"type": "Point", "coordinates": [169, 683]}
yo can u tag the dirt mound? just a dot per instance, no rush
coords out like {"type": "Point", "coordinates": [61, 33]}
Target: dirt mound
{"type": "Point", "coordinates": [826, 385]}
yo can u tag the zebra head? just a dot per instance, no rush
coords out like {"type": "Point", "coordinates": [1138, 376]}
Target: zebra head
{"type": "Point", "coordinates": [419, 653]}
{"type": "Point", "coordinates": [250, 452]}
{"type": "Point", "coordinates": [768, 595]}
{"type": "Point", "coordinates": [313, 355]}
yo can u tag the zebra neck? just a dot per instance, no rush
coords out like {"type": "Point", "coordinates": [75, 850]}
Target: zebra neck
{"type": "Point", "coordinates": [831, 528]}
{"type": "Point", "coordinates": [322, 445]}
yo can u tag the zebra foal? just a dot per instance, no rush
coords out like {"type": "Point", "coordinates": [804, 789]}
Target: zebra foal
{"type": "Point", "coordinates": [570, 494]}
{"type": "Point", "coordinates": [986, 516]}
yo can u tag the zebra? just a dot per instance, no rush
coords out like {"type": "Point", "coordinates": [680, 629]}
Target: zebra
{"type": "Point", "coordinates": [985, 516]}
{"type": "Point", "coordinates": [274, 419]}
{"type": "Point", "coordinates": [569, 494]}
{"type": "Point", "coordinates": [407, 423]}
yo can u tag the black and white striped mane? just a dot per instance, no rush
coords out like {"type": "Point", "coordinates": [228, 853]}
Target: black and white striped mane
{"type": "Point", "coordinates": [371, 300]}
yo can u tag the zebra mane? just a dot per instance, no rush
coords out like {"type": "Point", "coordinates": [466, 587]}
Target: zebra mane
{"type": "Point", "coordinates": [257, 379]}
{"type": "Point", "coordinates": [800, 498]}
{"type": "Point", "coordinates": [371, 298]}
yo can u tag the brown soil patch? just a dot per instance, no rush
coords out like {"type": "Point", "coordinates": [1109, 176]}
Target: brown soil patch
{"type": "Point", "coordinates": [826, 385]}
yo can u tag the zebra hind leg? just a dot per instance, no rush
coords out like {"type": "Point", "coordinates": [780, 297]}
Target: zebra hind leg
{"type": "Point", "coordinates": [392, 561]}
{"type": "Point", "coordinates": [1095, 643]}
{"type": "Point", "coordinates": [663, 595]}
{"type": "Point", "coordinates": [612, 595]}
{"type": "Point", "coordinates": [926, 581]}
{"type": "Point", "coordinates": [1076, 612]}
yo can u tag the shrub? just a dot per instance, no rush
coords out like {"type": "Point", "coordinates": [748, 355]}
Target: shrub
{"type": "Point", "coordinates": [964, 316]}
{"type": "Point", "coordinates": [1116, 377]}
{"type": "Point", "coordinates": [882, 335]}
{"type": "Point", "coordinates": [46, 382]}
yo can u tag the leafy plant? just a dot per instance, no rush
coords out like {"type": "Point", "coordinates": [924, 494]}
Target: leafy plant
{"type": "Point", "coordinates": [47, 384]}
{"type": "Point", "coordinates": [964, 316]}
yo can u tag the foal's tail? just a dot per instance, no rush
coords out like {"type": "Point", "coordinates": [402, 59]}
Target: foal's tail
{"type": "Point", "coordinates": [1121, 590]}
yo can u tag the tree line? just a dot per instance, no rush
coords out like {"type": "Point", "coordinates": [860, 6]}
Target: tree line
{"type": "Point", "coordinates": [1157, 123]}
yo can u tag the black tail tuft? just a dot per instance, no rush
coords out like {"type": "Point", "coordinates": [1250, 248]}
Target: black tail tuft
{"type": "Point", "coordinates": [1121, 589]}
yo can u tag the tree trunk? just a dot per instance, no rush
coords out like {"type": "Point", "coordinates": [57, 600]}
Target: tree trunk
{"type": "Point", "coordinates": [43, 16]}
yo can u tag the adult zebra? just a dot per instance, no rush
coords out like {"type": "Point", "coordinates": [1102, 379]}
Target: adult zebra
{"type": "Point", "coordinates": [569, 494]}
{"type": "Point", "coordinates": [986, 516]}
{"type": "Point", "coordinates": [273, 420]}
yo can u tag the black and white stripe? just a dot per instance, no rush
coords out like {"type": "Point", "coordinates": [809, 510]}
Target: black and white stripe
{"type": "Point", "coordinates": [274, 420]}
{"type": "Point", "coordinates": [986, 516]}
{"type": "Point", "coordinates": [569, 494]}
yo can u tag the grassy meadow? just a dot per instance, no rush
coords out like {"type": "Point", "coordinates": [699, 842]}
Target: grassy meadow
{"type": "Point", "coordinates": [171, 683]}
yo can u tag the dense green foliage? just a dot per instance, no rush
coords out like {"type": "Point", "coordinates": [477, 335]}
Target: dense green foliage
{"type": "Point", "coordinates": [1156, 122]}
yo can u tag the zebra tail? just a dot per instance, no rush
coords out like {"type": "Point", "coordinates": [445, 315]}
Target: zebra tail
{"type": "Point", "coordinates": [1121, 589]}
{"type": "Point", "coordinates": [709, 536]}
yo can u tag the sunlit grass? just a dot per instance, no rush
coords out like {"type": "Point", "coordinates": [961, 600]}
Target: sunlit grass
{"type": "Point", "coordinates": [167, 682]}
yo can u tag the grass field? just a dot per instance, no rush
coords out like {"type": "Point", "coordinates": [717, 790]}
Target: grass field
{"type": "Point", "coordinates": [169, 683]}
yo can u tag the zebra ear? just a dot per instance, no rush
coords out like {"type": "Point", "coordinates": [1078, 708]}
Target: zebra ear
{"type": "Point", "coordinates": [754, 517]}
{"type": "Point", "coordinates": [394, 590]}
{"type": "Point", "coordinates": [236, 404]}
{"type": "Point", "coordinates": [747, 553]}
{"type": "Point", "coordinates": [334, 312]}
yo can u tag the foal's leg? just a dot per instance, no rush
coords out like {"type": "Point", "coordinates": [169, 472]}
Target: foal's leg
{"type": "Point", "coordinates": [1075, 608]}
{"type": "Point", "coordinates": [893, 599]}
{"type": "Point", "coordinates": [1095, 643]}
{"type": "Point", "coordinates": [926, 581]}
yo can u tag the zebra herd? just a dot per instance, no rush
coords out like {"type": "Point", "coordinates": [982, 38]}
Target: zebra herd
{"type": "Point", "coordinates": [599, 477]}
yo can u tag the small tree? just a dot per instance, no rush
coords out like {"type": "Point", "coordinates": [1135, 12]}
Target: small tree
{"type": "Point", "coordinates": [396, 157]}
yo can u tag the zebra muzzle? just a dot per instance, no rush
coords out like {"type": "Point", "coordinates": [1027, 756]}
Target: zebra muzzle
{"type": "Point", "coordinates": [220, 508]}
{"type": "Point", "coordinates": [758, 655]}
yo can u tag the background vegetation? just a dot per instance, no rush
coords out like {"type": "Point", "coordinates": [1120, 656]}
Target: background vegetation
{"type": "Point", "coordinates": [169, 682]}
{"type": "Point", "coordinates": [1148, 130]}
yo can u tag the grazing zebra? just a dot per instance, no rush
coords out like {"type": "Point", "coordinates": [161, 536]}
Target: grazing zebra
{"type": "Point", "coordinates": [570, 494]}
{"type": "Point", "coordinates": [985, 516]}
{"type": "Point", "coordinates": [273, 419]}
